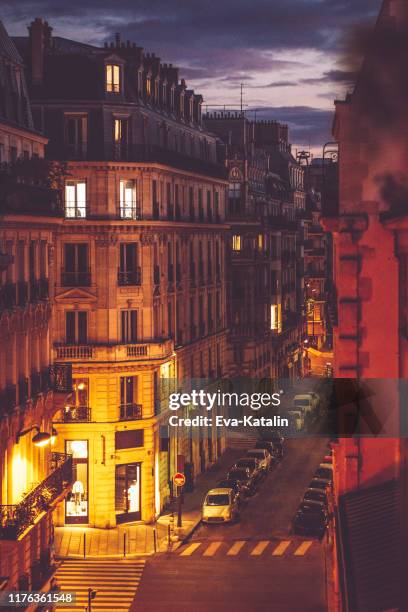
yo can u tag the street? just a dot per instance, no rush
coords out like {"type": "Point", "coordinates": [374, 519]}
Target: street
{"type": "Point", "coordinates": [256, 564]}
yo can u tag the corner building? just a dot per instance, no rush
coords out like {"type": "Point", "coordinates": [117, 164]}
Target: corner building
{"type": "Point", "coordinates": [140, 295]}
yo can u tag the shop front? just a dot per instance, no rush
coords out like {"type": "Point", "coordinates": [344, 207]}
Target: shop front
{"type": "Point", "coordinates": [77, 501]}
{"type": "Point", "coordinates": [128, 489]}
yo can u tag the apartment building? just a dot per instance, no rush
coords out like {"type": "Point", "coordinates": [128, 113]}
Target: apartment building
{"type": "Point", "coordinates": [33, 476]}
{"type": "Point", "coordinates": [140, 265]}
{"type": "Point", "coordinates": [265, 258]}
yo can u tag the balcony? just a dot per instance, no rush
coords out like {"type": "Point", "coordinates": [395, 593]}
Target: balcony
{"type": "Point", "coordinates": [75, 414]}
{"type": "Point", "coordinates": [130, 211]}
{"type": "Point", "coordinates": [155, 349]}
{"type": "Point", "coordinates": [76, 278]}
{"type": "Point", "coordinates": [130, 278]}
{"type": "Point", "coordinates": [7, 296]}
{"type": "Point", "coordinates": [78, 210]}
{"type": "Point", "coordinates": [130, 412]}
{"type": "Point", "coordinates": [15, 519]}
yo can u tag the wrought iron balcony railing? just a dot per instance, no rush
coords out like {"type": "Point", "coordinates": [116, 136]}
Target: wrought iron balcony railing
{"type": "Point", "coordinates": [128, 278]}
{"type": "Point", "coordinates": [129, 412]}
{"type": "Point", "coordinates": [76, 414]}
{"type": "Point", "coordinates": [77, 278]}
{"type": "Point", "coordinates": [130, 211]}
{"type": "Point", "coordinates": [15, 519]}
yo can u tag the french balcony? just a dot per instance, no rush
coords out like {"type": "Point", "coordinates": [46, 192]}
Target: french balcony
{"type": "Point", "coordinates": [77, 278]}
{"type": "Point", "coordinates": [130, 211]}
{"type": "Point", "coordinates": [76, 211]}
{"type": "Point", "coordinates": [155, 349]}
{"type": "Point", "coordinates": [7, 296]}
{"type": "Point", "coordinates": [75, 414]}
{"type": "Point", "coordinates": [130, 412]}
{"type": "Point", "coordinates": [130, 278]}
{"type": "Point", "coordinates": [16, 519]}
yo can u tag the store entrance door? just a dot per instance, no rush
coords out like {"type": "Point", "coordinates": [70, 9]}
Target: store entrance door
{"type": "Point", "coordinates": [128, 492]}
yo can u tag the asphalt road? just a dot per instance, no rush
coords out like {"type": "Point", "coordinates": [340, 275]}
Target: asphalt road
{"type": "Point", "coordinates": [256, 564]}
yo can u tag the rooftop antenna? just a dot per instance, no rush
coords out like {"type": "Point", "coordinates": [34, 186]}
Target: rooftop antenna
{"type": "Point", "coordinates": [242, 97]}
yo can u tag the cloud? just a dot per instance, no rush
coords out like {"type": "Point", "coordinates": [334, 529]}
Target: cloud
{"type": "Point", "coordinates": [307, 125]}
{"type": "Point", "coordinates": [345, 77]}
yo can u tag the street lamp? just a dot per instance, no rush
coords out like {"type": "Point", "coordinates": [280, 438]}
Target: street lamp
{"type": "Point", "coordinates": [41, 438]}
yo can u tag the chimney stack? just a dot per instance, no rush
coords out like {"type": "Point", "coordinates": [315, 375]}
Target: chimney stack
{"type": "Point", "coordinates": [40, 39]}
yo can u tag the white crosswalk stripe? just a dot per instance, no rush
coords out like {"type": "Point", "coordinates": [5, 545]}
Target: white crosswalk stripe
{"type": "Point", "coordinates": [237, 548]}
{"type": "Point", "coordinates": [116, 582]}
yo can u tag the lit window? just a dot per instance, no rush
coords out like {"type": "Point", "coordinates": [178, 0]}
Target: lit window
{"type": "Point", "coordinates": [112, 78]}
{"type": "Point", "coordinates": [260, 242]}
{"type": "Point", "coordinates": [75, 199]}
{"type": "Point", "coordinates": [236, 242]}
{"type": "Point", "coordinates": [128, 199]}
{"type": "Point", "coordinates": [276, 324]}
{"type": "Point", "coordinates": [148, 86]}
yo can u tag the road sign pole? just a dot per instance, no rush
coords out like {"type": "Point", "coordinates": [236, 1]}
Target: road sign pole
{"type": "Point", "coordinates": [180, 507]}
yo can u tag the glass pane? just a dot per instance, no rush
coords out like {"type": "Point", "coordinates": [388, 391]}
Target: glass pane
{"type": "Point", "coordinates": [81, 199]}
{"type": "Point", "coordinates": [70, 200]}
{"type": "Point", "coordinates": [77, 448]}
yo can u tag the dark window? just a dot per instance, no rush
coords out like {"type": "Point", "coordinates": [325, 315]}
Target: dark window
{"type": "Point", "coordinates": [129, 326]}
{"type": "Point", "coordinates": [76, 327]}
{"type": "Point", "coordinates": [76, 272]}
{"type": "Point", "coordinates": [129, 271]}
{"type": "Point", "coordinates": [129, 439]}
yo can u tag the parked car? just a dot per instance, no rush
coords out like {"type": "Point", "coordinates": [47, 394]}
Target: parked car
{"type": "Point", "coordinates": [319, 483]}
{"type": "Point", "coordinates": [309, 403]}
{"type": "Point", "coordinates": [220, 506]}
{"type": "Point", "coordinates": [315, 495]}
{"type": "Point", "coordinates": [311, 518]}
{"type": "Point", "coordinates": [240, 490]}
{"type": "Point", "coordinates": [325, 471]}
{"type": "Point", "coordinates": [243, 475]}
{"type": "Point", "coordinates": [254, 466]}
{"type": "Point", "coordinates": [274, 444]}
{"type": "Point", "coordinates": [296, 419]}
{"type": "Point", "coordinates": [264, 456]}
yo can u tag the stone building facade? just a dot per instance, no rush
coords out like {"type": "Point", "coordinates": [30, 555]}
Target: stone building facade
{"type": "Point", "coordinates": [140, 263]}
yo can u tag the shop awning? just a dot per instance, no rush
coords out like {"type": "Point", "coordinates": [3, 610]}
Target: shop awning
{"type": "Point", "coordinates": [370, 533]}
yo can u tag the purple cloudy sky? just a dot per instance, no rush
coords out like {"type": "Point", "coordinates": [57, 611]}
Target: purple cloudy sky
{"type": "Point", "coordinates": [286, 52]}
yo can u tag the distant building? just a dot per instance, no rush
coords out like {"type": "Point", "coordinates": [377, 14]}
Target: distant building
{"type": "Point", "coordinates": [266, 200]}
{"type": "Point", "coordinates": [33, 478]}
{"type": "Point", "coordinates": [140, 267]}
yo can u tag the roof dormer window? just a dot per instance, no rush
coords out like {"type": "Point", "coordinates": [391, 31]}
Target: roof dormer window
{"type": "Point", "coordinates": [112, 78]}
{"type": "Point", "coordinates": [148, 87]}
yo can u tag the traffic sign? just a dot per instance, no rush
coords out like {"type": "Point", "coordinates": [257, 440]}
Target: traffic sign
{"type": "Point", "coordinates": [179, 479]}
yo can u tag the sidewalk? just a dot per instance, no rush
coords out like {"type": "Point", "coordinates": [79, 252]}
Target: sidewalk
{"type": "Point", "coordinates": [135, 539]}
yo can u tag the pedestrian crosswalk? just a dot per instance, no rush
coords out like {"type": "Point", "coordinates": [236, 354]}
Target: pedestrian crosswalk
{"type": "Point", "coordinates": [274, 548]}
{"type": "Point", "coordinates": [115, 581]}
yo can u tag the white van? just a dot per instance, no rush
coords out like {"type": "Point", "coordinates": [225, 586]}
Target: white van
{"type": "Point", "coordinates": [309, 403]}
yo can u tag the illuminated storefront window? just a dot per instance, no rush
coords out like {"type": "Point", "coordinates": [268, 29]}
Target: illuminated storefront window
{"type": "Point", "coordinates": [128, 492]}
{"type": "Point", "coordinates": [76, 505]}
